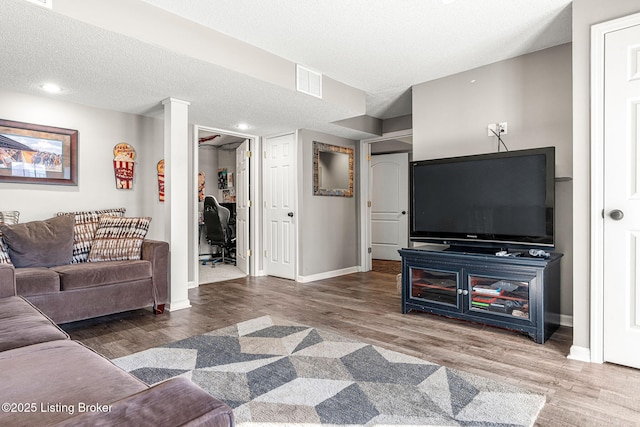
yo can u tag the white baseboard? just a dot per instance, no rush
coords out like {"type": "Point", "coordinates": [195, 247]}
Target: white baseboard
{"type": "Point", "coordinates": [192, 284]}
{"type": "Point", "coordinates": [566, 320]}
{"type": "Point", "coordinates": [178, 305]}
{"type": "Point", "coordinates": [328, 274]}
{"type": "Point", "coordinates": [582, 354]}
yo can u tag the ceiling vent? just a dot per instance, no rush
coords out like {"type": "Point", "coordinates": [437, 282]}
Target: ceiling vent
{"type": "Point", "coordinates": [309, 82]}
{"type": "Point", "coordinates": [45, 3]}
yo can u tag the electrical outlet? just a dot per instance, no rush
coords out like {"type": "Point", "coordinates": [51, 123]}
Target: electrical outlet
{"type": "Point", "coordinates": [491, 128]}
{"type": "Point", "coordinates": [503, 128]}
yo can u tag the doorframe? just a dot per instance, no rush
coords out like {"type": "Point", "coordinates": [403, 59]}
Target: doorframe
{"type": "Point", "coordinates": [365, 191]}
{"type": "Point", "coordinates": [254, 229]}
{"type": "Point", "coordinates": [598, 34]}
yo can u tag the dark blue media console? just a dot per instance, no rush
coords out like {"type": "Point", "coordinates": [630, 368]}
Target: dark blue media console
{"type": "Point", "coordinates": [520, 293]}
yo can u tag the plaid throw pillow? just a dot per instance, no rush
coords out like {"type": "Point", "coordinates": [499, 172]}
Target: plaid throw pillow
{"type": "Point", "coordinates": [119, 238]}
{"type": "Point", "coordinates": [84, 230]}
{"type": "Point", "coordinates": [7, 217]}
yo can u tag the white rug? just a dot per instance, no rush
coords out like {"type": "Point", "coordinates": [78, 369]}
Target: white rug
{"type": "Point", "coordinates": [219, 273]}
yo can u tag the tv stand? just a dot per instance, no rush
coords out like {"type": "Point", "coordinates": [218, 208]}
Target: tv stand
{"type": "Point", "coordinates": [518, 293]}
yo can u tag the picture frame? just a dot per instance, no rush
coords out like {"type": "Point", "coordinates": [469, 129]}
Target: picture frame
{"type": "Point", "coordinates": [332, 170]}
{"type": "Point", "coordinates": [38, 154]}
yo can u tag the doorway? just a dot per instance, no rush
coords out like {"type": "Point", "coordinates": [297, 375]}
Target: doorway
{"type": "Point", "coordinates": [385, 219]}
{"type": "Point", "coordinates": [222, 165]}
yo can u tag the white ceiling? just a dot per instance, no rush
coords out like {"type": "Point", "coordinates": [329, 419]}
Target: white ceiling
{"type": "Point", "coordinates": [382, 47]}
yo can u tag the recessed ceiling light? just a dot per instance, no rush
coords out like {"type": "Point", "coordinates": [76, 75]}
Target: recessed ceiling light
{"type": "Point", "coordinates": [242, 126]}
{"type": "Point", "coordinates": [51, 88]}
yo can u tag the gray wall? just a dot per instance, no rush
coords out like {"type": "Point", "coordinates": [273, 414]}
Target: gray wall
{"type": "Point", "coordinates": [585, 14]}
{"type": "Point", "coordinates": [98, 131]}
{"type": "Point", "coordinates": [328, 229]}
{"type": "Point", "coordinates": [533, 94]}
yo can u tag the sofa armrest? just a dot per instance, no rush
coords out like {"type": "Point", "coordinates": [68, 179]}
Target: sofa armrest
{"type": "Point", "coordinates": [175, 402]}
{"type": "Point", "coordinates": [7, 280]}
{"type": "Point", "coordinates": [158, 253]}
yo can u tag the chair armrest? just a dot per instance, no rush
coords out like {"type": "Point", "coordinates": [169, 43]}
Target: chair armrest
{"type": "Point", "coordinates": [7, 281]}
{"type": "Point", "coordinates": [158, 253]}
{"type": "Point", "coordinates": [175, 402]}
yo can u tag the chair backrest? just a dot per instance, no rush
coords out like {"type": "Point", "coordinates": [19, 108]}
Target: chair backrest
{"type": "Point", "coordinates": [225, 219]}
{"type": "Point", "coordinates": [223, 212]}
{"type": "Point", "coordinates": [213, 225]}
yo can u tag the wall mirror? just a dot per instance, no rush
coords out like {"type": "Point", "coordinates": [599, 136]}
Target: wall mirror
{"type": "Point", "coordinates": [332, 170]}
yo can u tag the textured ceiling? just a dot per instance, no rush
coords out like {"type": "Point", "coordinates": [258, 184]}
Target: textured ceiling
{"type": "Point", "coordinates": [380, 46]}
{"type": "Point", "coordinates": [384, 47]}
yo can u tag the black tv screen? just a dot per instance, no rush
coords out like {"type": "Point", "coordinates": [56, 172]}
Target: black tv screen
{"type": "Point", "coordinates": [497, 200]}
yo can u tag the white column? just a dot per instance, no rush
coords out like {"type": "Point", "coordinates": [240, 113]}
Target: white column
{"type": "Point", "coordinates": [176, 212]}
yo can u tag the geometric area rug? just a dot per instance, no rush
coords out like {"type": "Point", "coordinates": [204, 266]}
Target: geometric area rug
{"type": "Point", "coordinates": [279, 373]}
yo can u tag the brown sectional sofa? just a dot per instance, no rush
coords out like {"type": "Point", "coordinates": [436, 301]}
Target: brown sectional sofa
{"type": "Point", "coordinates": [81, 265]}
{"type": "Point", "coordinates": [71, 292]}
{"type": "Point", "coordinates": [47, 379]}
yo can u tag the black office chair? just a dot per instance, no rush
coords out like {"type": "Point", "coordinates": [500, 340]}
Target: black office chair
{"type": "Point", "coordinates": [217, 232]}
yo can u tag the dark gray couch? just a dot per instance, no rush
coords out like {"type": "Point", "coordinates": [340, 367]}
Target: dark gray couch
{"type": "Point", "coordinates": [48, 379]}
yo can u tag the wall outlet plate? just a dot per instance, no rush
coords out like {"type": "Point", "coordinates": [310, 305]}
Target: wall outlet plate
{"type": "Point", "coordinates": [502, 126]}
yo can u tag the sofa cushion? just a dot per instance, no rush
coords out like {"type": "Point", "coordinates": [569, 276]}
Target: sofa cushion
{"type": "Point", "coordinates": [90, 274]}
{"type": "Point", "coordinates": [60, 372]}
{"type": "Point", "coordinates": [86, 223]}
{"type": "Point", "coordinates": [22, 324]}
{"type": "Point", "coordinates": [40, 243]}
{"type": "Point", "coordinates": [36, 281]}
{"type": "Point", "coordinates": [157, 406]}
{"type": "Point", "coordinates": [119, 239]}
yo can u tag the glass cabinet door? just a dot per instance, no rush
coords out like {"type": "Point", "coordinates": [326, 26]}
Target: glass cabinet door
{"type": "Point", "coordinates": [434, 286]}
{"type": "Point", "coordinates": [500, 296]}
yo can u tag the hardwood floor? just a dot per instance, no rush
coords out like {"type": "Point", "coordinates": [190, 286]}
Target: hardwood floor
{"type": "Point", "coordinates": [385, 266]}
{"type": "Point", "coordinates": [366, 306]}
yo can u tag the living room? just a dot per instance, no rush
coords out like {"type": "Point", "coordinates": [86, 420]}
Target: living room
{"type": "Point", "coordinates": [544, 95]}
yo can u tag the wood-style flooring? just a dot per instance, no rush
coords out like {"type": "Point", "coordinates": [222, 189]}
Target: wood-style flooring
{"type": "Point", "coordinates": [366, 306]}
{"type": "Point", "coordinates": [386, 266]}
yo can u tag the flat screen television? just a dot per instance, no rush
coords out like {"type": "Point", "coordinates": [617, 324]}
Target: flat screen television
{"type": "Point", "coordinates": [502, 200]}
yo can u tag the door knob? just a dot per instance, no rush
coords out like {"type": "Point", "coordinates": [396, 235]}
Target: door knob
{"type": "Point", "coordinates": [290, 214]}
{"type": "Point", "coordinates": [616, 214]}
{"type": "Point", "coordinates": [404, 212]}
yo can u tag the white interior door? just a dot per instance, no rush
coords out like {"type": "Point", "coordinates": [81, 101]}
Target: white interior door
{"type": "Point", "coordinates": [279, 202]}
{"type": "Point", "coordinates": [389, 205]}
{"type": "Point", "coordinates": [242, 207]}
{"type": "Point", "coordinates": [622, 197]}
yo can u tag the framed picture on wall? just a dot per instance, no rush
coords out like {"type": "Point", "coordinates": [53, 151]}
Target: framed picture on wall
{"type": "Point", "coordinates": [222, 178]}
{"type": "Point", "coordinates": [37, 154]}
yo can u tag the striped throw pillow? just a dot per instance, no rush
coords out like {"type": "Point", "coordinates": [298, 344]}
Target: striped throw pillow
{"type": "Point", "coordinates": [86, 223]}
{"type": "Point", "coordinates": [11, 218]}
{"type": "Point", "coordinates": [119, 238]}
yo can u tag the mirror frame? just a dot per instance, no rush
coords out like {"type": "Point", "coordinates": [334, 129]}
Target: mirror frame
{"type": "Point", "coordinates": [342, 192]}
